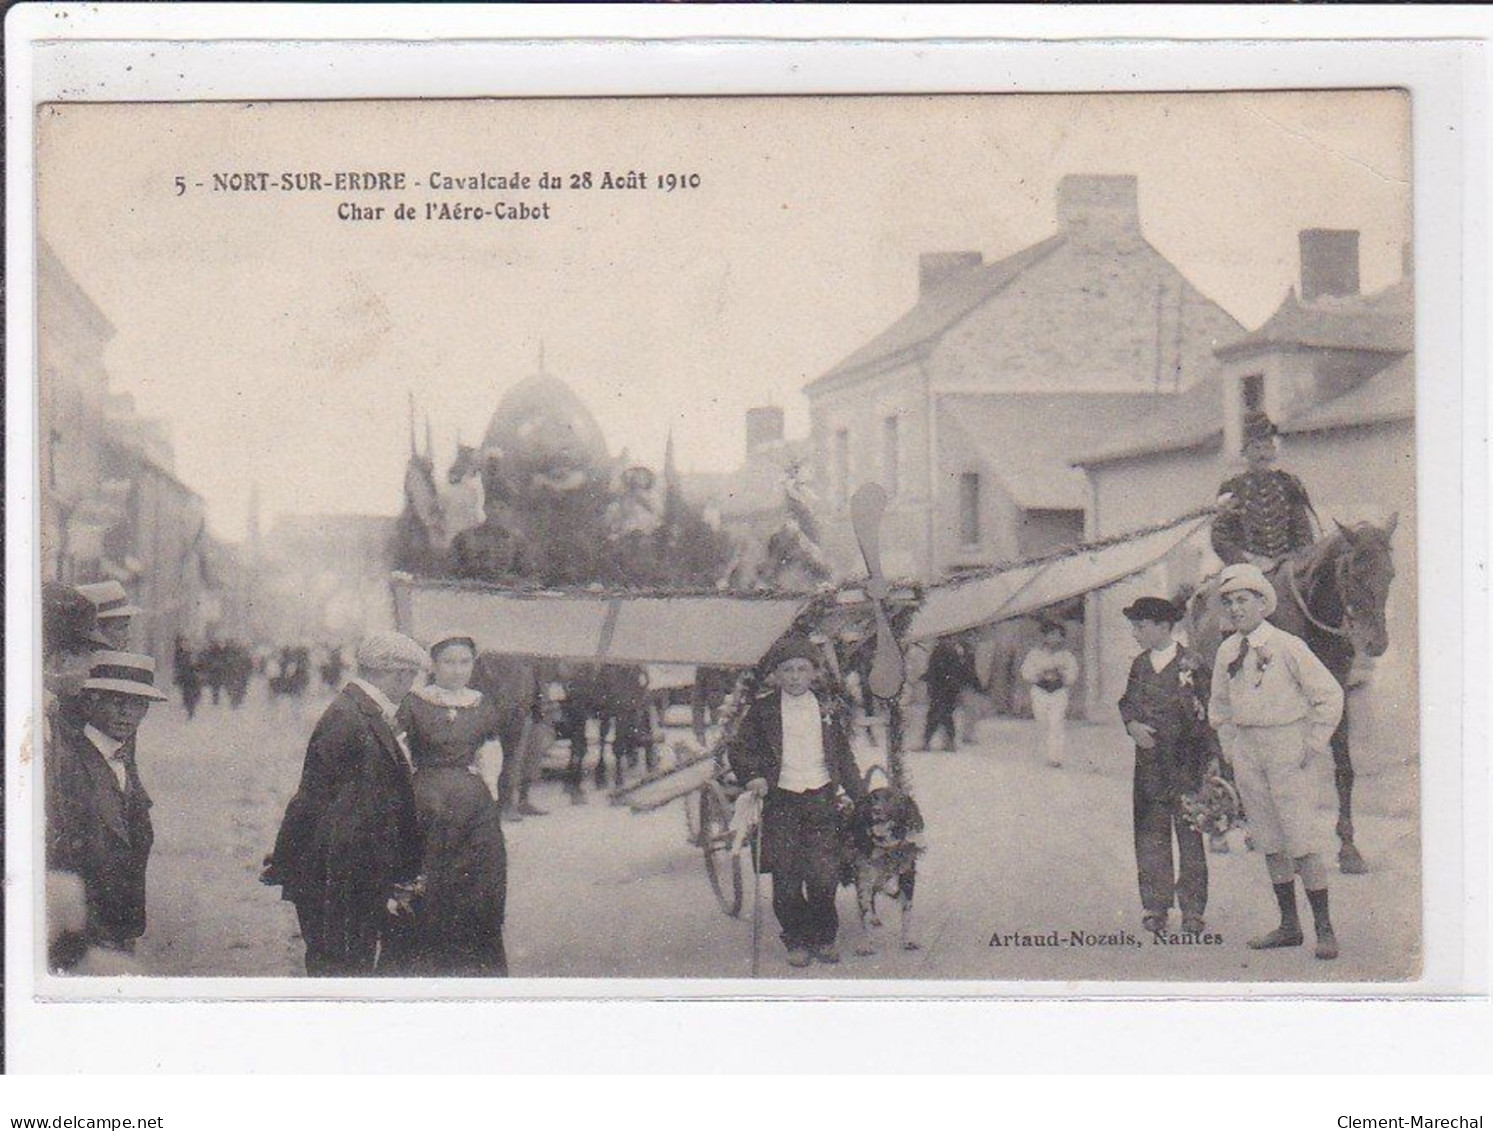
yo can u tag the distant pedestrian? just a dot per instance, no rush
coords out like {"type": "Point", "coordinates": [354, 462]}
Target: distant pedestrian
{"type": "Point", "coordinates": [1165, 712]}
{"type": "Point", "coordinates": [1275, 706]}
{"type": "Point", "coordinates": [185, 675]}
{"type": "Point", "coordinates": [951, 672]}
{"type": "Point", "coordinates": [1050, 670]}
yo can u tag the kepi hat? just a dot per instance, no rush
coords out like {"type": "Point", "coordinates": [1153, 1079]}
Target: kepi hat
{"type": "Point", "coordinates": [1247, 577]}
{"type": "Point", "coordinates": [123, 673]}
{"type": "Point", "coordinates": [1157, 609]}
{"type": "Point", "coordinates": [389, 651]}
{"type": "Point", "coordinates": [1258, 426]}
{"type": "Point", "coordinates": [109, 599]}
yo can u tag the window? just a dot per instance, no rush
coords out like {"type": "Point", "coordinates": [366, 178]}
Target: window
{"type": "Point", "coordinates": [842, 467]}
{"type": "Point", "coordinates": [1252, 393]}
{"type": "Point", "coordinates": [969, 509]}
{"type": "Point", "coordinates": [890, 456]}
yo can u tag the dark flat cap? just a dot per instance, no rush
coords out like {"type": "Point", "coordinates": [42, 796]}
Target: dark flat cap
{"type": "Point", "coordinates": [794, 646]}
{"type": "Point", "coordinates": [1157, 609]}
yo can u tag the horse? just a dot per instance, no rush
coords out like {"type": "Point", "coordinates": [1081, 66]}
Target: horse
{"type": "Point", "coordinates": [1333, 595]}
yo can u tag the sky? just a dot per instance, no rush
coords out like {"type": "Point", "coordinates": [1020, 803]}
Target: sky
{"type": "Point", "coordinates": [281, 343]}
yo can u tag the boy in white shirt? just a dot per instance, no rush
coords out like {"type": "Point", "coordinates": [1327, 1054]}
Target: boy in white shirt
{"type": "Point", "coordinates": [1275, 706]}
{"type": "Point", "coordinates": [794, 751]}
{"type": "Point", "coordinates": [1049, 670]}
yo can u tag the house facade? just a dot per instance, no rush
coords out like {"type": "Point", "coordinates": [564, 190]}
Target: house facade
{"type": "Point", "coordinates": [1335, 369]}
{"type": "Point", "coordinates": [112, 505]}
{"type": "Point", "coordinates": [970, 408]}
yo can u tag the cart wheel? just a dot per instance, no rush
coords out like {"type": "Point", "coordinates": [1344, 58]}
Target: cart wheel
{"type": "Point", "coordinates": [721, 864]}
{"type": "Point", "coordinates": [692, 807]}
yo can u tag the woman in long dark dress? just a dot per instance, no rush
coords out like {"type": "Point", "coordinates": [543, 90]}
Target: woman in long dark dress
{"type": "Point", "coordinates": [452, 732]}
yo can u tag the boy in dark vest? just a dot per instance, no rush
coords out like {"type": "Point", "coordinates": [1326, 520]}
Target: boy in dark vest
{"type": "Point", "coordinates": [1165, 711]}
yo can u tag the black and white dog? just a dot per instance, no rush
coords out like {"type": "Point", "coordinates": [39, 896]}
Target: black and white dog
{"type": "Point", "coordinates": [881, 840]}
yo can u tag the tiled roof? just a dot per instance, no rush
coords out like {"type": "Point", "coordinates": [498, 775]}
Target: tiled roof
{"type": "Point", "coordinates": [1187, 420]}
{"type": "Point", "coordinates": [938, 309]}
{"type": "Point", "coordinates": [1381, 322]}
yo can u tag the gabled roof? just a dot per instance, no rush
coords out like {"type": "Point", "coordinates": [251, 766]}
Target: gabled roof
{"type": "Point", "coordinates": [1191, 419]}
{"type": "Point", "coordinates": [1381, 322]}
{"type": "Point", "coordinates": [1387, 395]}
{"type": "Point", "coordinates": [1030, 440]}
{"type": "Point", "coordinates": [937, 310]}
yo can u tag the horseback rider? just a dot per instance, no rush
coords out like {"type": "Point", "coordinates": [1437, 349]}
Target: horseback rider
{"type": "Point", "coordinates": [1265, 514]}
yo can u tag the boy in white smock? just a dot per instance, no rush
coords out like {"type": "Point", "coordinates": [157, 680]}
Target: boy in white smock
{"type": "Point", "coordinates": [1275, 706]}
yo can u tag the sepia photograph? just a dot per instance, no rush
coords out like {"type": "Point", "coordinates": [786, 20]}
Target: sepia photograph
{"type": "Point", "coordinates": [942, 539]}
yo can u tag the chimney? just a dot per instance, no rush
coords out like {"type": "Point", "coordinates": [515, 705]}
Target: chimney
{"type": "Point", "coordinates": [935, 268]}
{"type": "Point", "coordinates": [763, 426]}
{"type": "Point", "coordinates": [1099, 210]}
{"type": "Point", "coordinates": [1329, 263]}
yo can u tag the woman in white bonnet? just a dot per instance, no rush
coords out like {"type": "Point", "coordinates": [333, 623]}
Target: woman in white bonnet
{"type": "Point", "coordinates": [452, 732]}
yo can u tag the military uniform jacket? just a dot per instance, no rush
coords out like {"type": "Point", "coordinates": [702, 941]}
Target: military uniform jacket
{"type": "Point", "coordinates": [1174, 703]}
{"type": "Point", "coordinates": [1270, 515]}
{"type": "Point", "coordinates": [99, 832]}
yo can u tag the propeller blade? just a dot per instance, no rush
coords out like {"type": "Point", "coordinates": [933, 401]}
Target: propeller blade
{"type": "Point", "coordinates": [888, 669]}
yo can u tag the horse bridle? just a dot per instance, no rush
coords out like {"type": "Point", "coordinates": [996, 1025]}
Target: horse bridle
{"type": "Point", "coordinates": [1339, 630]}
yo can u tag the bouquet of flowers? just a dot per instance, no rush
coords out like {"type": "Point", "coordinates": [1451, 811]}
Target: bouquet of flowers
{"type": "Point", "coordinates": [1213, 809]}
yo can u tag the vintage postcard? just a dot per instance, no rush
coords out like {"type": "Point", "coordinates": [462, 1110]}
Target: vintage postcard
{"type": "Point", "coordinates": [952, 540]}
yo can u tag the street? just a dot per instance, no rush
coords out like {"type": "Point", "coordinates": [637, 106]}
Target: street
{"type": "Point", "coordinates": [1015, 848]}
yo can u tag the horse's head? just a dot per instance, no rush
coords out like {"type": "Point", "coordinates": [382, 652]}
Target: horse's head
{"type": "Point", "coordinates": [468, 462]}
{"type": "Point", "coordinates": [1364, 570]}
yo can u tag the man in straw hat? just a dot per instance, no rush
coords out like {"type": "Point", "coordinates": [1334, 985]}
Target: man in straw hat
{"type": "Point", "coordinates": [111, 605]}
{"type": "Point", "coordinates": [1275, 706]}
{"type": "Point", "coordinates": [97, 811]}
{"type": "Point", "coordinates": [348, 851]}
{"type": "Point", "coordinates": [795, 753]}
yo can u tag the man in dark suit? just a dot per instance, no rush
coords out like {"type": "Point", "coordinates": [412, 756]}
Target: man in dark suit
{"type": "Point", "coordinates": [97, 810]}
{"type": "Point", "coordinates": [1165, 712]}
{"type": "Point", "coordinates": [348, 851]}
{"type": "Point", "coordinates": [794, 751]}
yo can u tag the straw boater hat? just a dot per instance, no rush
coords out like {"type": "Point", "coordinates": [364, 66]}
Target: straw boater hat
{"type": "Point", "coordinates": [109, 599]}
{"type": "Point", "coordinates": [124, 673]}
{"type": "Point", "coordinates": [1248, 578]}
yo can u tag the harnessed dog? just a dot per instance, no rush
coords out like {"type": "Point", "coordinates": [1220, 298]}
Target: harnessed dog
{"type": "Point", "coordinates": [880, 842]}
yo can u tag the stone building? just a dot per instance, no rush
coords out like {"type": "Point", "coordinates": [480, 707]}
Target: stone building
{"type": "Point", "coordinates": [112, 505]}
{"type": "Point", "coordinates": [1335, 369]}
{"type": "Point", "coordinates": [971, 407]}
